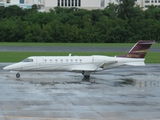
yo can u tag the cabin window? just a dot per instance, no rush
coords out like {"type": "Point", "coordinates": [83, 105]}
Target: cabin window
{"type": "Point", "coordinates": [28, 60]}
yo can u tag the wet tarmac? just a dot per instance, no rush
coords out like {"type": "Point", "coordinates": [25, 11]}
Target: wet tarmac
{"type": "Point", "coordinates": [125, 93]}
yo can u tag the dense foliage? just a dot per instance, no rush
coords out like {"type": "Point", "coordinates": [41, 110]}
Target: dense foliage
{"type": "Point", "coordinates": [114, 24]}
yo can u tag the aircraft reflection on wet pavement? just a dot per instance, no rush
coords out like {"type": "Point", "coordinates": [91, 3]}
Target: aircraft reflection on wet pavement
{"type": "Point", "coordinates": [123, 82]}
{"type": "Point", "coordinates": [135, 83]}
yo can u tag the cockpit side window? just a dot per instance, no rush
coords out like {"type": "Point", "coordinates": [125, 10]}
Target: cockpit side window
{"type": "Point", "coordinates": [28, 60]}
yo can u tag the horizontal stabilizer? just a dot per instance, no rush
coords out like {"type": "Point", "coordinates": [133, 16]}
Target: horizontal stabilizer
{"type": "Point", "coordinates": [135, 63]}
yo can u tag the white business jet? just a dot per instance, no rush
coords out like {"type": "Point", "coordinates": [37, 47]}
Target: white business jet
{"type": "Point", "coordinates": [83, 64]}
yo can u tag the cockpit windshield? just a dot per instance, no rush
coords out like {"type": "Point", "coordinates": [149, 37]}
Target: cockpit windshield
{"type": "Point", "coordinates": [27, 60]}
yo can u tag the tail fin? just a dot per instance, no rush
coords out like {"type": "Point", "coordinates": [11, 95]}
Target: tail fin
{"type": "Point", "coordinates": [139, 50]}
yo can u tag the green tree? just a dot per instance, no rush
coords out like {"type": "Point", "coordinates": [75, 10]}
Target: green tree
{"type": "Point", "coordinates": [153, 12]}
{"type": "Point", "coordinates": [12, 11]}
{"type": "Point", "coordinates": [111, 10]}
{"type": "Point", "coordinates": [126, 9]}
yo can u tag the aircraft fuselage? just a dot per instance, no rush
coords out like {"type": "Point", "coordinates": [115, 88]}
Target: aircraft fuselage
{"type": "Point", "coordinates": [71, 63]}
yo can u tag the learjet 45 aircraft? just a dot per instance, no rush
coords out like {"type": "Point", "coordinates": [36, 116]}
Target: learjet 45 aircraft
{"type": "Point", "coordinates": [83, 64]}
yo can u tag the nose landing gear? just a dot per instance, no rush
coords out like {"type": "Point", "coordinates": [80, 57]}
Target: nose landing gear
{"type": "Point", "coordinates": [18, 75]}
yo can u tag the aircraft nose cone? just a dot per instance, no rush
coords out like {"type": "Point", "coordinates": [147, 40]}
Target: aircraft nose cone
{"type": "Point", "coordinates": [12, 67]}
{"type": "Point", "coordinates": [5, 68]}
{"type": "Point", "coordinates": [9, 67]}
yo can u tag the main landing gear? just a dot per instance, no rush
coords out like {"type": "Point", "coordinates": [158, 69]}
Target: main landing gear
{"type": "Point", "coordinates": [18, 75]}
{"type": "Point", "coordinates": [86, 75]}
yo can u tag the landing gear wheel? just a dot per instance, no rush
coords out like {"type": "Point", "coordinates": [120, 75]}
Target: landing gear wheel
{"type": "Point", "coordinates": [87, 76]}
{"type": "Point", "coordinates": [18, 75]}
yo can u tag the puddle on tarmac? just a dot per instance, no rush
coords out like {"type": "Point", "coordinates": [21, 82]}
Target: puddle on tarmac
{"type": "Point", "coordinates": [124, 82]}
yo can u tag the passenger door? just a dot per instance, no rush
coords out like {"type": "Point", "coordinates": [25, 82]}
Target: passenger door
{"type": "Point", "coordinates": [40, 61]}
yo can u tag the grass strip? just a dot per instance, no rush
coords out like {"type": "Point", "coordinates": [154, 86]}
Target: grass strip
{"type": "Point", "coordinates": [152, 57]}
{"type": "Point", "coordinates": [73, 44]}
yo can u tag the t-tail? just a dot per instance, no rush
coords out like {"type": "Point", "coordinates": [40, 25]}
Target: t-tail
{"type": "Point", "coordinates": [139, 50]}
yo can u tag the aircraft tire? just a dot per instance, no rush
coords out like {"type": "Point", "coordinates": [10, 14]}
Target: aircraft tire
{"type": "Point", "coordinates": [87, 76]}
{"type": "Point", "coordinates": [83, 73]}
{"type": "Point", "coordinates": [18, 75]}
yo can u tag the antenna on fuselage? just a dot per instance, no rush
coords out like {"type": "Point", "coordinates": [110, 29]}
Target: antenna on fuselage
{"type": "Point", "coordinates": [70, 54]}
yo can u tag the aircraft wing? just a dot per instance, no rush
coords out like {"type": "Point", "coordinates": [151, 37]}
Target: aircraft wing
{"type": "Point", "coordinates": [91, 67]}
{"type": "Point", "coordinates": [85, 67]}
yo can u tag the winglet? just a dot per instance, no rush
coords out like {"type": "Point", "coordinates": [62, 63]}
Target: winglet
{"type": "Point", "coordinates": [139, 50]}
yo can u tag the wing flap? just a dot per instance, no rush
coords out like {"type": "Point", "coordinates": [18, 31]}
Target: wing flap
{"type": "Point", "coordinates": [107, 63]}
